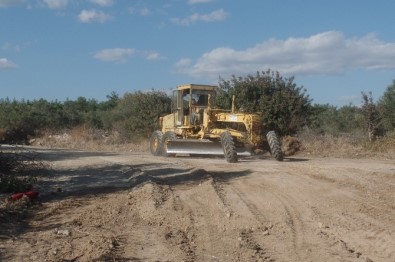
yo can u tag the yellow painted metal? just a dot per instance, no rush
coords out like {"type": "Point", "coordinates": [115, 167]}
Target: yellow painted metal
{"type": "Point", "coordinates": [197, 87]}
{"type": "Point", "coordinates": [168, 123]}
{"type": "Point", "coordinates": [208, 123]}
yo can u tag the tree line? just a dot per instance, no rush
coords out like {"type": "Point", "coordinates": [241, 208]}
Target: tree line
{"type": "Point", "coordinates": [285, 107]}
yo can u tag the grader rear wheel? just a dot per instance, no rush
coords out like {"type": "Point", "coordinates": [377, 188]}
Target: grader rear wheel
{"type": "Point", "coordinates": [275, 147]}
{"type": "Point", "coordinates": [229, 147]}
{"type": "Point", "coordinates": [156, 142]}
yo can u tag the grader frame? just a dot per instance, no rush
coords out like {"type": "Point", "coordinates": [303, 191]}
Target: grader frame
{"type": "Point", "coordinates": [197, 127]}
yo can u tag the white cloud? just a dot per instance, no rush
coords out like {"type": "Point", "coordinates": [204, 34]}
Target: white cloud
{"type": "Point", "coordinates": [6, 64]}
{"type": "Point", "coordinates": [90, 16]}
{"type": "Point", "coordinates": [154, 56]}
{"type": "Point", "coordinates": [122, 54]}
{"type": "Point", "coordinates": [183, 62]}
{"type": "Point", "coordinates": [6, 3]}
{"type": "Point", "coordinates": [115, 54]}
{"type": "Point", "coordinates": [192, 2]}
{"type": "Point", "coordinates": [144, 11]}
{"type": "Point", "coordinates": [103, 2]}
{"type": "Point", "coordinates": [56, 4]}
{"type": "Point", "coordinates": [217, 15]}
{"type": "Point", "coordinates": [11, 47]}
{"type": "Point", "coordinates": [325, 53]}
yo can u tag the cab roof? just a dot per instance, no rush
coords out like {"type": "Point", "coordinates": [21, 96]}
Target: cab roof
{"type": "Point", "coordinates": [197, 86]}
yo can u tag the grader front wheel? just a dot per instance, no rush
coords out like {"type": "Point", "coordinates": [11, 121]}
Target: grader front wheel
{"type": "Point", "coordinates": [156, 142]}
{"type": "Point", "coordinates": [229, 147]}
{"type": "Point", "coordinates": [275, 147]}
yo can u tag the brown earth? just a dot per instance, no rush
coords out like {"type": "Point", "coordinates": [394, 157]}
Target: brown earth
{"type": "Point", "coordinates": [99, 206]}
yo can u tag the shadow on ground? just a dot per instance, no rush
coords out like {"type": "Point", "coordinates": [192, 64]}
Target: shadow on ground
{"type": "Point", "coordinates": [83, 183]}
{"type": "Point", "coordinates": [108, 179]}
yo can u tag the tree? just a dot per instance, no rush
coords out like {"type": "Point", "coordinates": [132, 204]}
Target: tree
{"type": "Point", "coordinates": [137, 114]}
{"type": "Point", "coordinates": [323, 119]}
{"type": "Point", "coordinates": [371, 114]}
{"type": "Point", "coordinates": [386, 107]}
{"type": "Point", "coordinates": [284, 105]}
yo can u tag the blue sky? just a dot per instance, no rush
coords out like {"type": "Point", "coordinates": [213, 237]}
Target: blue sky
{"type": "Point", "coordinates": [63, 49]}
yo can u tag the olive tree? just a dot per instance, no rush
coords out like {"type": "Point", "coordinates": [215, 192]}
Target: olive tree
{"type": "Point", "coordinates": [386, 106]}
{"type": "Point", "coordinates": [284, 106]}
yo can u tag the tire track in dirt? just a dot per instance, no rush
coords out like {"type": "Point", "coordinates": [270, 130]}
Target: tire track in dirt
{"type": "Point", "coordinates": [246, 233]}
{"type": "Point", "coordinates": [354, 227]}
{"type": "Point", "coordinates": [291, 223]}
{"type": "Point", "coordinates": [170, 209]}
{"type": "Point", "coordinates": [163, 207]}
{"type": "Point", "coordinates": [207, 222]}
{"type": "Point", "coordinates": [296, 222]}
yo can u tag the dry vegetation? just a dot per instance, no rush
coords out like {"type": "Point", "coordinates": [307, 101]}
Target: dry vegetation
{"type": "Point", "coordinates": [82, 138]}
{"type": "Point", "coordinates": [308, 144]}
{"type": "Point", "coordinates": [348, 146]}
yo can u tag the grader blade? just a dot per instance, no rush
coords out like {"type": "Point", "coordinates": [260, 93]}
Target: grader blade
{"type": "Point", "coordinates": [199, 147]}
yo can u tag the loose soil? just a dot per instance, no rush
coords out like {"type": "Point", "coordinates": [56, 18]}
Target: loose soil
{"type": "Point", "coordinates": [98, 206]}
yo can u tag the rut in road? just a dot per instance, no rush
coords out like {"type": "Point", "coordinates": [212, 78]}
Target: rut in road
{"type": "Point", "coordinates": [197, 219]}
{"type": "Point", "coordinates": [130, 207]}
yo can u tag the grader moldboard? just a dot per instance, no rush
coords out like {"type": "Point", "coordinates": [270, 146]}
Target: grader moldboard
{"type": "Point", "coordinates": [197, 127]}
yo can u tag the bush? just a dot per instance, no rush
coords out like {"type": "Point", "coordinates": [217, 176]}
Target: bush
{"type": "Point", "coordinates": [386, 106]}
{"type": "Point", "coordinates": [18, 171]}
{"type": "Point", "coordinates": [284, 105]}
{"type": "Point", "coordinates": [137, 114]}
{"type": "Point", "coordinates": [330, 120]}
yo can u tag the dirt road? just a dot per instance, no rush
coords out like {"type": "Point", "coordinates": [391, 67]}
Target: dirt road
{"type": "Point", "coordinates": [135, 207]}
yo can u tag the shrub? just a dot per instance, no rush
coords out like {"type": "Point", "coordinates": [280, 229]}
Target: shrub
{"type": "Point", "coordinates": [284, 105]}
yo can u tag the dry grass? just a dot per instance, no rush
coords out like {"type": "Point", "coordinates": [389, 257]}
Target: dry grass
{"type": "Point", "coordinates": [348, 145]}
{"type": "Point", "coordinates": [291, 145]}
{"type": "Point", "coordinates": [89, 139]}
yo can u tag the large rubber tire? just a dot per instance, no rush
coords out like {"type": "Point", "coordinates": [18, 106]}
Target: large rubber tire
{"type": "Point", "coordinates": [229, 147]}
{"type": "Point", "coordinates": [156, 142]}
{"type": "Point", "coordinates": [275, 147]}
{"type": "Point", "coordinates": [168, 136]}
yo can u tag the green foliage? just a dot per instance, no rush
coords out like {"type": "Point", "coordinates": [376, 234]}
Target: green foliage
{"type": "Point", "coordinates": [137, 113]}
{"type": "Point", "coordinates": [327, 119]}
{"type": "Point", "coordinates": [10, 183]}
{"type": "Point", "coordinates": [349, 119]}
{"type": "Point", "coordinates": [386, 107]}
{"type": "Point", "coordinates": [23, 118]}
{"type": "Point", "coordinates": [17, 172]}
{"type": "Point", "coordinates": [284, 105]}
{"type": "Point", "coordinates": [371, 115]}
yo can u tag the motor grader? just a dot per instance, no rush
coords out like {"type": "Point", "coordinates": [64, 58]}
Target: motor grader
{"type": "Point", "coordinates": [197, 127]}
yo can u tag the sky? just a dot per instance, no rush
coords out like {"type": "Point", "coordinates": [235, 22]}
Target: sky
{"type": "Point", "coordinates": [64, 49]}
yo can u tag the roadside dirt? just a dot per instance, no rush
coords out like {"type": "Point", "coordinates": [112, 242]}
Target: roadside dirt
{"type": "Point", "coordinates": [99, 206]}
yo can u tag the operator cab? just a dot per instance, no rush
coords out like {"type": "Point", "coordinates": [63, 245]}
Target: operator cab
{"type": "Point", "coordinates": [190, 101]}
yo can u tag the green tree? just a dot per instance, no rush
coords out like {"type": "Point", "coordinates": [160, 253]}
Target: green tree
{"type": "Point", "coordinates": [350, 119]}
{"type": "Point", "coordinates": [111, 103]}
{"type": "Point", "coordinates": [137, 114]}
{"type": "Point", "coordinates": [323, 119]}
{"type": "Point", "coordinates": [371, 114]}
{"type": "Point", "coordinates": [284, 105]}
{"type": "Point", "coordinates": [386, 105]}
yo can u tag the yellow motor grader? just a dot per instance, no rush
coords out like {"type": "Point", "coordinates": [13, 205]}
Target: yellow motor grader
{"type": "Point", "coordinates": [197, 127]}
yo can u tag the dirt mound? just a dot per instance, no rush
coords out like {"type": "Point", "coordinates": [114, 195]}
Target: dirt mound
{"type": "Point", "coordinates": [291, 145]}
